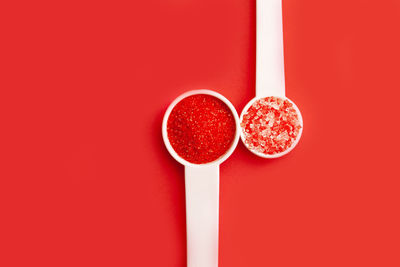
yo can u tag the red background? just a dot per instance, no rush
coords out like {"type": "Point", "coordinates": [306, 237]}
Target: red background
{"type": "Point", "coordinates": [85, 179]}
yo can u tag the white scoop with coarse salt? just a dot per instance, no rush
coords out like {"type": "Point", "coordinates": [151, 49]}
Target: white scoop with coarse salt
{"type": "Point", "coordinates": [270, 73]}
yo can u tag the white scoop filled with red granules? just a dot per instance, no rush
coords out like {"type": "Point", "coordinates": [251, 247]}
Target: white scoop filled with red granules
{"type": "Point", "coordinates": [271, 124]}
{"type": "Point", "coordinates": [201, 130]}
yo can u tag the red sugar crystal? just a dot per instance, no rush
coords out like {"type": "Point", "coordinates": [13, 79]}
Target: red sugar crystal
{"type": "Point", "coordinates": [201, 128]}
{"type": "Point", "coordinates": [270, 126]}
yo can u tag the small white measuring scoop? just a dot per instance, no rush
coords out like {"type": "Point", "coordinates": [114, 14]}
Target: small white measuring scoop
{"type": "Point", "coordinates": [270, 73]}
{"type": "Point", "coordinates": [202, 193]}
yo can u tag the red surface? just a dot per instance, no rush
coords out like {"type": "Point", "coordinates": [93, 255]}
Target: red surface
{"type": "Point", "coordinates": [85, 179]}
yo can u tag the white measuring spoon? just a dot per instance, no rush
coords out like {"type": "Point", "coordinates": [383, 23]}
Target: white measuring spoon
{"type": "Point", "coordinates": [270, 72]}
{"type": "Point", "coordinates": [202, 194]}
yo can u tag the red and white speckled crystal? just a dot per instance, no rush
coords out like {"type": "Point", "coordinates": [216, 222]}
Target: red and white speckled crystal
{"type": "Point", "coordinates": [271, 125]}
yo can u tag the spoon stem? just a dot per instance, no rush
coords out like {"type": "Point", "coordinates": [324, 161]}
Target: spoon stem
{"type": "Point", "coordinates": [270, 73]}
{"type": "Point", "coordinates": [202, 204]}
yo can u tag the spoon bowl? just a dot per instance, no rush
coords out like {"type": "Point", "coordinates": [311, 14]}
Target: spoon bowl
{"type": "Point", "coordinates": [200, 92]}
{"type": "Point", "coordinates": [277, 155]}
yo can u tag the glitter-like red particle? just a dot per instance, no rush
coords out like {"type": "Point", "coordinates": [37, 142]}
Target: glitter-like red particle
{"type": "Point", "coordinates": [201, 128]}
{"type": "Point", "coordinates": [270, 126]}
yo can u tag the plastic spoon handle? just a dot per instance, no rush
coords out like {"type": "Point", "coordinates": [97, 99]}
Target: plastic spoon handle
{"type": "Point", "coordinates": [270, 73]}
{"type": "Point", "coordinates": [202, 203]}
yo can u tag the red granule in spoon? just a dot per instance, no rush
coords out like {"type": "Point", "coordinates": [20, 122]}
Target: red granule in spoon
{"type": "Point", "coordinates": [270, 126]}
{"type": "Point", "coordinates": [201, 128]}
